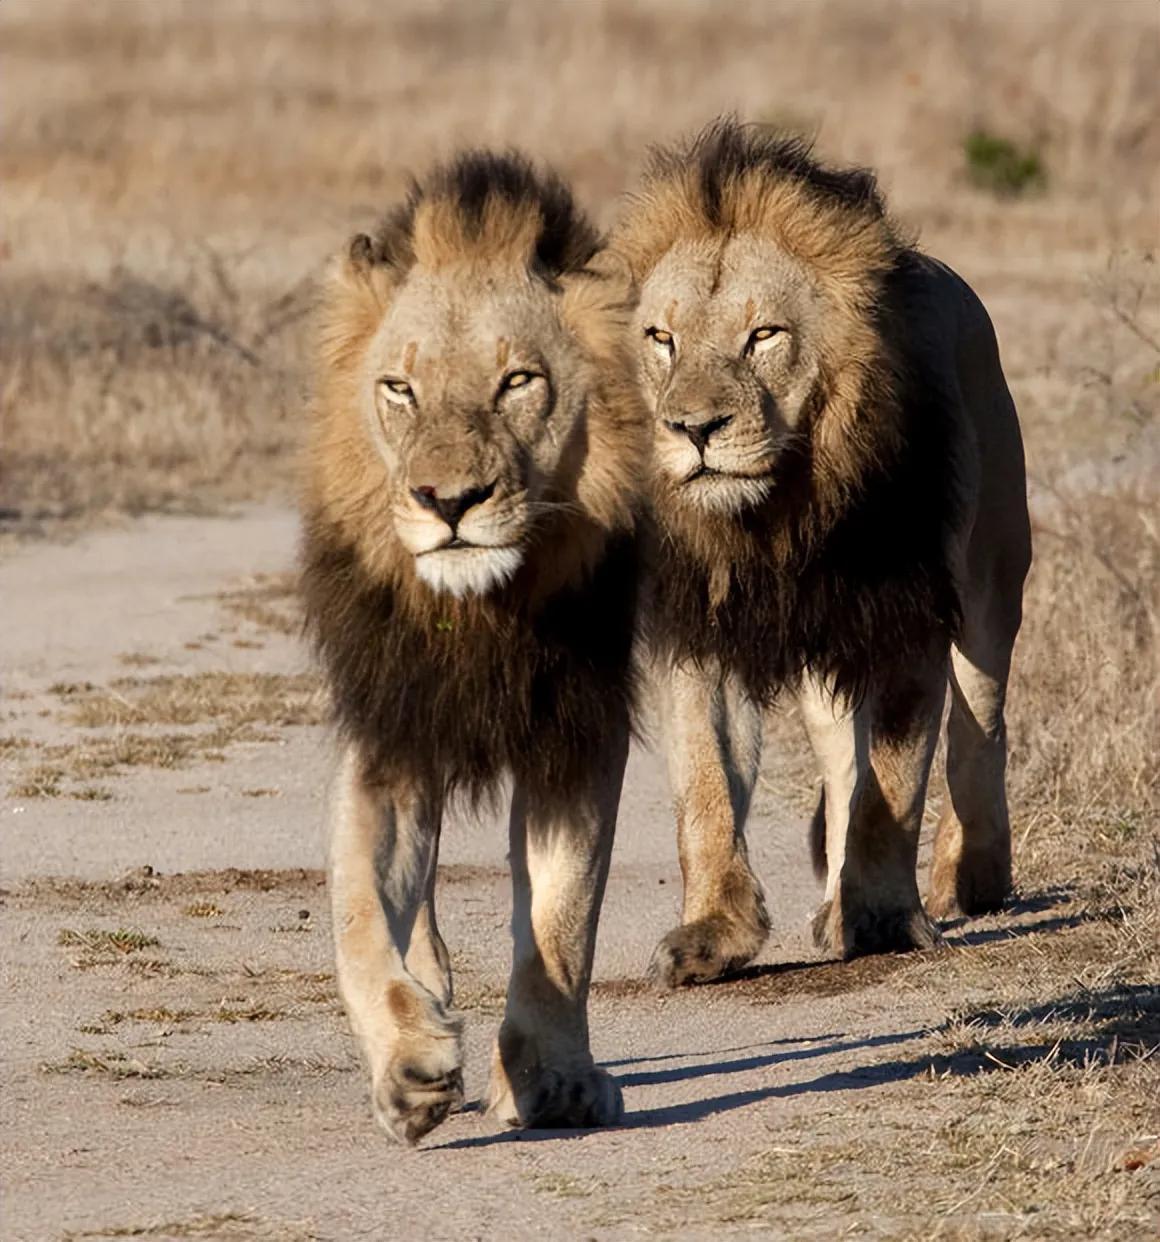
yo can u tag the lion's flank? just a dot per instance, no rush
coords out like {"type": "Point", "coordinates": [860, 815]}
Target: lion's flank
{"type": "Point", "coordinates": [484, 205]}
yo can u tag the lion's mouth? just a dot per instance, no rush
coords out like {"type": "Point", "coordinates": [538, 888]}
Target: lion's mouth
{"type": "Point", "coordinates": [456, 544]}
{"type": "Point", "coordinates": [712, 472]}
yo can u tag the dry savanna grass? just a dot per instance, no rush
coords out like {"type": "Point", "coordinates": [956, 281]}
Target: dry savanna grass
{"type": "Point", "coordinates": [219, 1226]}
{"type": "Point", "coordinates": [63, 770]}
{"type": "Point", "coordinates": [229, 700]}
{"type": "Point", "coordinates": [175, 177]}
{"type": "Point", "coordinates": [268, 602]}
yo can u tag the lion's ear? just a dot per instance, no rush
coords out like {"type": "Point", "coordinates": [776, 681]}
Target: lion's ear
{"type": "Point", "coordinates": [361, 254]}
{"type": "Point", "coordinates": [356, 291]}
{"type": "Point", "coordinates": [361, 269]}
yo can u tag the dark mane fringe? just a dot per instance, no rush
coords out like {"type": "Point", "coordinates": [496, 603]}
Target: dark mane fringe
{"type": "Point", "coordinates": [726, 151]}
{"type": "Point", "coordinates": [459, 700]}
{"type": "Point", "coordinates": [566, 242]}
{"type": "Point", "coordinates": [859, 599]}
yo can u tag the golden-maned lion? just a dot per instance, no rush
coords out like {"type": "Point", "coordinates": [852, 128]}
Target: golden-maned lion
{"type": "Point", "coordinates": [840, 501]}
{"type": "Point", "coordinates": [469, 579]}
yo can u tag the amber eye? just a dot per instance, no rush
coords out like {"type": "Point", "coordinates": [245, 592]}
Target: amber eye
{"type": "Point", "coordinates": [660, 337]}
{"type": "Point", "coordinates": [397, 390]}
{"type": "Point", "coordinates": [517, 379]}
{"type": "Point", "coordinates": [760, 335]}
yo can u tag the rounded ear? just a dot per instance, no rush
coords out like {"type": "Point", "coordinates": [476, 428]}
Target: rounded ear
{"type": "Point", "coordinates": [362, 270]}
{"type": "Point", "coordinates": [361, 254]}
{"type": "Point", "coordinates": [355, 293]}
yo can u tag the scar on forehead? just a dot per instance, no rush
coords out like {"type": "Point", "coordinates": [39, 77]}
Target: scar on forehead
{"type": "Point", "coordinates": [750, 310]}
{"type": "Point", "coordinates": [671, 311]}
{"type": "Point", "coordinates": [502, 350]}
{"type": "Point", "coordinates": [409, 355]}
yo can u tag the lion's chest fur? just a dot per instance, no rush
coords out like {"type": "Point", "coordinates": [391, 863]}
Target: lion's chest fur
{"type": "Point", "coordinates": [458, 695]}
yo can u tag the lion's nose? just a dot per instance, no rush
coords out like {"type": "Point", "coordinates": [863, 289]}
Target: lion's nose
{"type": "Point", "coordinates": [699, 432]}
{"type": "Point", "coordinates": [452, 508]}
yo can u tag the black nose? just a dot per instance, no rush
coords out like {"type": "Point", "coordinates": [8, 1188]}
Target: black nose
{"type": "Point", "coordinates": [452, 508]}
{"type": "Point", "coordinates": [699, 433]}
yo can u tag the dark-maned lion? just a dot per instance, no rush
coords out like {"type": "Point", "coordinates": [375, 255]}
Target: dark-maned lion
{"type": "Point", "coordinates": [840, 501]}
{"type": "Point", "coordinates": [469, 578]}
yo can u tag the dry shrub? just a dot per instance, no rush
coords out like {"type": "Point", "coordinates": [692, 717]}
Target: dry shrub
{"type": "Point", "coordinates": [136, 395]}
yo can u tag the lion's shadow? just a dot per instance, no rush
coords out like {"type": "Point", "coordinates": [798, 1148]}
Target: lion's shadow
{"type": "Point", "coordinates": [1118, 1017]}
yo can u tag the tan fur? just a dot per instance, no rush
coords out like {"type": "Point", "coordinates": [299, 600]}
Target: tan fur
{"type": "Point", "coordinates": [454, 291]}
{"type": "Point", "coordinates": [880, 378]}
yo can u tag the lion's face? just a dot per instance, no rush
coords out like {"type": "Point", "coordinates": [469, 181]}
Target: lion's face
{"type": "Point", "coordinates": [472, 389]}
{"type": "Point", "coordinates": [726, 334]}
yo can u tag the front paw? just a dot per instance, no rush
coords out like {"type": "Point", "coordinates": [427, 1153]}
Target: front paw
{"type": "Point", "coordinates": [420, 1080]}
{"type": "Point", "coordinates": [704, 950]}
{"type": "Point", "coordinates": [527, 1091]}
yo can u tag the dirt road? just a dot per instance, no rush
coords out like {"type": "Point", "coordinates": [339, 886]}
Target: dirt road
{"type": "Point", "coordinates": [176, 1064]}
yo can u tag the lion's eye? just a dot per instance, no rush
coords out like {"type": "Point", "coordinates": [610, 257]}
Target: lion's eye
{"type": "Point", "coordinates": [760, 336]}
{"type": "Point", "coordinates": [660, 337]}
{"type": "Point", "coordinates": [397, 390]}
{"type": "Point", "coordinates": [517, 379]}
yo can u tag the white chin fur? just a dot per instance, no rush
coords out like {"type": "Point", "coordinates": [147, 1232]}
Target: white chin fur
{"type": "Point", "coordinates": [725, 493]}
{"type": "Point", "coordinates": [468, 571]}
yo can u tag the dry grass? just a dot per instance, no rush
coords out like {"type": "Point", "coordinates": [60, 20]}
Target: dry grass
{"type": "Point", "coordinates": [218, 1226]}
{"type": "Point", "coordinates": [58, 771]}
{"type": "Point", "coordinates": [117, 1066]}
{"type": "Point", "coordinates": [122, 941]}
{"type": "Point", "coordinates": [230, 700]}
{"type": "Point", "coordinates": [1002, 1154]}
{"type": "Point", "coordinates": [159, 239]}
{"type": "Point", "coordinates": [269, 602]}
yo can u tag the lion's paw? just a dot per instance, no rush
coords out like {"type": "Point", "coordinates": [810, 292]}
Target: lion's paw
{"type": "Point", "coordinates": [573, 1095]}
{"type": "Point", "coordinates": [846, 930]}
{"type": "Point", "coordinates": [704, 950]}
{"type": "Point", "coordinates": [969, 882]}
{"type": "Point", "coordinates": [421, 1080]}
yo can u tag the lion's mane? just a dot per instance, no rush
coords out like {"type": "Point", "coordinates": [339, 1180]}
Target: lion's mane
{"type": "Point", "coordinates": [455, 692]}
{"type": "Point", "coordinates": [846, 567]}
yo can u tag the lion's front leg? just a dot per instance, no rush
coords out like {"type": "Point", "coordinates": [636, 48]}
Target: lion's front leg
{"type": "Point", "coordinates": [713, 738]}
{"type": "Point", "coordinates": [542, 1070]}
{"type": "Point", "coordinates": [875, 775]}
{"type": "Point", "coordinates": [383, 847]}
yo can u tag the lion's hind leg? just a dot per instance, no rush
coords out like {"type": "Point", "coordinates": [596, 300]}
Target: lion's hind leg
{"type": "Point", "coordinates": [382, 862]}
{"type": "Point", "coordinates": [713, 738]}
{"type": "Point", "coordinates": [873, 814]}
{"type": "Point", "coordinates": [971, 868]}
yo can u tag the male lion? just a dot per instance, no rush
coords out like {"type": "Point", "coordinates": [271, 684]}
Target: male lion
{"type": "Point", "coordinates": [840, 500]}
{"type": "Point", "coordinates": [470, 581]}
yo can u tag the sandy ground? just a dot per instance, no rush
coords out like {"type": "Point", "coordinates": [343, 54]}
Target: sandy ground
{"type": "Point", "coordinates": [197, 1079]}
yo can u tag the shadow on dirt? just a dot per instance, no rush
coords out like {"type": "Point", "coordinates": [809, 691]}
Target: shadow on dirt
{"type": "Point", "coordinates": [1116, 1022]}
{"type": "Point", "coordinates": [686, 1072]}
